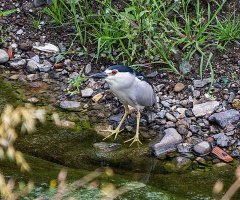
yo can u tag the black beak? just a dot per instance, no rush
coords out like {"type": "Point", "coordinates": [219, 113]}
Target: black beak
{"type": "Point", "coordinates": [99, 75]}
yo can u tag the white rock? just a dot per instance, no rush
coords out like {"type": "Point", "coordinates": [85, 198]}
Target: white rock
{"type": "Point", "coordinates": [47, 47]}
{"type": "Point", "coordinates": [200, 110]}
{"type": "Point", "coordinates": [3, 56]}
{"type": "Point", "coordinates": [87, 92]}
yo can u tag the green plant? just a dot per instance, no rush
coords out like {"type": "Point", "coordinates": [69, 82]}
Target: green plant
{"type": "Point", "coordinates": [227, 30]}
{"type": "Point", "coordinates": [75, 84]}
{"type": "Point", "coordinates": [5, 13]}
{"type": "Point", "coordinates": [56, 11]}
{"type": "Point", "coordinates": [36, 21]}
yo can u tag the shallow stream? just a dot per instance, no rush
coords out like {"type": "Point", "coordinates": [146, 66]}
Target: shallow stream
{"type": "Point", "coordinates": [52, 148]}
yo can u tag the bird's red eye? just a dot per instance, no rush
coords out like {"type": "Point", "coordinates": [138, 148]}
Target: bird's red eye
{"type": "Point", "coordinates": [114, 72]}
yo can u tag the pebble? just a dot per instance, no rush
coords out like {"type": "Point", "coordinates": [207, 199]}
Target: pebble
{"type": "Point", "coordinates": [200, 110]}
{"type": "Point", "coordinates": [18, 64]}
{"type": "Point", "coordinates": [3, 56]}
{"type": "Point", "coordinates": [185, 67]}
{"type": "Point", "coordinates": [88, 69]}
{"type": "Point", "coordinates": [32, 66]}
{"type": "Point", "coordinates": [231, 97]}
{"type": "Point", "coordinates": [196, 93]}
{"type": "Point", "coordinates": [165, 104]}
{"type": "Point", "coordinates": [87, 92]}
{"type": "Point", "coordinates": [184, 147]}
{"type": "Point", "coordinates": [236, 104]}
{"type": "Point", "coordinates": [201, 83]}
{"type": "Point", "coordinates": [170, 117]}
{"type": "Point", "coordinates": [70, 105]}
{"type": "Point", "coordinates": [97, 97]}
{"type": "Point", "coordinates": [179, 87]}
{"type": "Point", "coordinates": [19, 32]}
{"type": "Point", "coordinates": [202, 148]}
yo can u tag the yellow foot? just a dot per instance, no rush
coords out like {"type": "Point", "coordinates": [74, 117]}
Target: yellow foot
{"type": "Point", "coordinates": [112, 133]}
{"type": "Point", "coordinates": [135, 139]}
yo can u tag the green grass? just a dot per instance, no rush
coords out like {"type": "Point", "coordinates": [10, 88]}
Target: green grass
{"type": "Point", "coordinates": [148, 31]}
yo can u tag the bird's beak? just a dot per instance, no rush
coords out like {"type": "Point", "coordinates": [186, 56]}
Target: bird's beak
{"type": "Point", "coordinates": [99, 75]}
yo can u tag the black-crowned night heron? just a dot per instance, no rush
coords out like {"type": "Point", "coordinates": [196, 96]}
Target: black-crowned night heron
{"type": "Point", "coordinates": [131, 88]}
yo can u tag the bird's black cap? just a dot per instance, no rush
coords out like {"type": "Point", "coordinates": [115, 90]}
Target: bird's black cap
{"type": "Point", "coordinates": [122, 68]}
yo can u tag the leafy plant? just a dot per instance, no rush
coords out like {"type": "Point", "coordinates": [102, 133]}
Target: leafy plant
{"type": "Point", "coordinates": [75, 84]}
{"type": "Point", "coordinates": [36, 21]}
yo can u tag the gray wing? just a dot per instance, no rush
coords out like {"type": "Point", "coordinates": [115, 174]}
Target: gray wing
{"type": "Point", "coordinates": [143, 93]}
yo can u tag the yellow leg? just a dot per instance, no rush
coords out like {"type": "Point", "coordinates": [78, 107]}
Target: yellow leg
{"type": "Point", "coordinates": [117, 130]}
{"type": "Point", "coordinates": [136, 137]}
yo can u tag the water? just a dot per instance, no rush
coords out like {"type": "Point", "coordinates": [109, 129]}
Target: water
{"type": "Point", "coordinates": [52, 148]}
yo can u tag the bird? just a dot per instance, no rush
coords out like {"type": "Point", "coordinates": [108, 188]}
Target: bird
{"type": "Point", "coordinates": [131, 88]}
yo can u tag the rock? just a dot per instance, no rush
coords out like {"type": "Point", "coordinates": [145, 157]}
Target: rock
{"type": "Point", "coordinates": [184, 147]}
{"type": "Point", "coordinates": [116, 118]}
{"type": "Point", "coordinates": [151, 116]}
{"type": "Point", "coordinates": [106, 147]}
{"type": "Point", "coordinates": [229, 127]}
{"type": "Point", "coordinates": [62, 47]}
{"type": "Point", "coordinates": [32, 66]}
{"type": "Point", "coordinates": [169, 141]}
{"type": "Point", "coordinates": [189, 113]}
{"type": "Point", "coordinates": [3, 56]}
{"type": "Point", "coordinates": [165, 104]}
{"type": "Point", "coordinates": [201, 83]}
{"type": "Point", "coordinates": [26, 46]}
{"type": "Point", "coordinates": [223, 118]}
{"type": "Point", "coordinates": [222, 140]}
{"type": "Point", "coordinates": [152, 75]}
{"type": "Point", "coordinates": [202, 148]}
{"type": "Point", "coordinates": [88, 69]}
{"type": "Point", "coordinates": [231, 97]}
{"type": "Point", "coordinates": [19, 32]}
{"type": "Point", "coordinates": [200, 110]}
{"type": "Point", "coordinates": [179, 87]}
{"type": "Point", "coordinates": [182, 130]}
{"type": "Point", "coordinates": [178, 164]}
{"type": "Point", "coordinates": [33, 100]}
{"type": "Point", "coordinates": [236, 104]}
{"type": "Point", "coordinates": [32, 77]}
{"type": "Point", "coordinates": [18, 64]}
{"type": "Point", "coordinates": [170, 117]}
{"type": "Point", "coordinates": [47, 47]}
{"type": "Point", "coordinates": [97, 97]}
{"type": "Point", "coordinates": [181, 110]}
{"type": "Point", "coordinates": [36, 58]}
{"type": "Point", "coordinates": [87, 92]}
{"type": "Point", "coordinates": [185, 67]}
{"type": "Point", "coordinates": [236, 153]}
{"type": "Point", "coordinates": [66, 123]}
{"type": "Point", "coordinates": [70, 105]}
{"type": "Point", "coordinates": [201, 160]}
{"type": "Point", "coordinates": [14, 77]}
{"type": "Point", "coordinates": [161, 114]}
{"type": "Point", "coordinates": [196, 93]}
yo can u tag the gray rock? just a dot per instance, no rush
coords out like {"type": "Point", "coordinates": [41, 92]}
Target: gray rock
{"type": "Point", "coordinates": [236, 153]}
{"type": "Point", "coordinates": [169, 141]}
{"type": "Point", "coordinates": [87, 92]}
{"type": "Point", "coordinates": [184, 147]}
{"type": "Point", "coordinates": [239, 63]}
{"type": "Point", "coordinates": [231, 97]}
{"type": "Point", "coordinates": [170, 117]}
{"type": "Point", "coordinates": [88, 68]}
{"type": "Point", "coordinates": [151, 116]}
{"type": "Point", "coordinates": [165, 104]}
{"type": "Point", "coordinates": [62, 48]}
{"type": "Point", "coordinates": [44, 68]}
{"type": "Point", "coordinates": [182, 129]}
{"type": "Point", "coordinates": [70, 105]}
{"type": "Point", "coordinates": [223, 118]}
{"type": "Point", "coordinates": [32, 66]}
{"type": "Point", "coordinates": [194, 129]}
{"type": "Point", "coordinates": [116, 118]}
{"type": "Point", "coordinates": [158, 88]}
{"type": "Point", "coordinates": [38, 3]}
{"type": "Point", "coordinates": [36, 58]}
{"type": "Point", "coordinates": [200, 110]}
{"type": "Point", "coordinates": [196, 93]}
{"type": "Point", "coordinates": [189, 113]}
{"type": "Point", "coordinates": [202, 148]}
{"type": "Point", "coordinates": [161, 114]}
{"type": "Point", "coordinates": [19, 32]}
{"type": "Point", "coordinates": [32, 77]}
{"type": "Point", "coordinates": [152, 75]}
{"type": "Point", "coordinates": [185, 67]}
{"type": "Point", "coordinates": [3, 56]}
{"type": "Point", "coordinates": [222, 140]}
{"type": "Point", "coordinates": [201, 83]}
{"type": "Point", "coordinates": [18, 64]}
